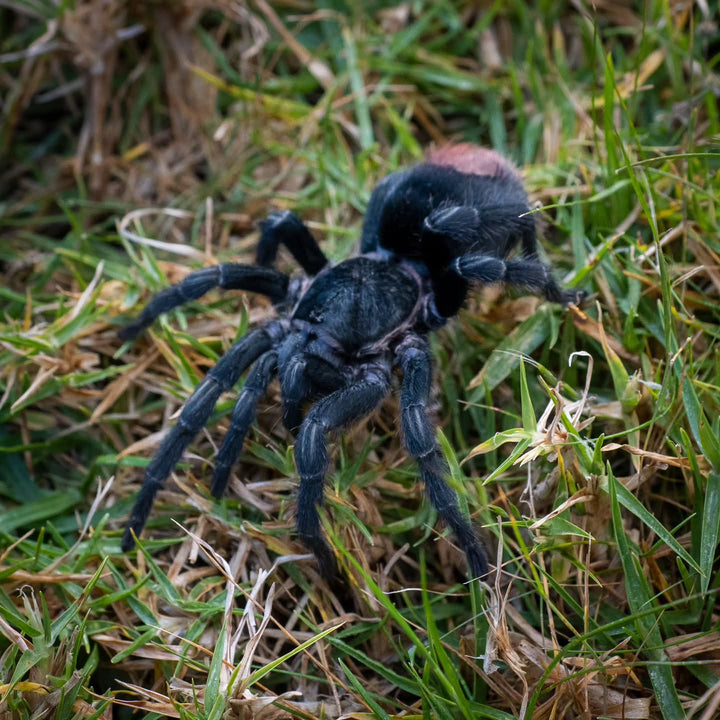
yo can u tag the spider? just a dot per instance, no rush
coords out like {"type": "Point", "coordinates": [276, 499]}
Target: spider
{"type": "Point", "coordinates": [430, 233]}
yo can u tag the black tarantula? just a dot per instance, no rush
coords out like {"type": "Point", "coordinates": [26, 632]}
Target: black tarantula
{"type": "Point", "coordinates": [429, 234]}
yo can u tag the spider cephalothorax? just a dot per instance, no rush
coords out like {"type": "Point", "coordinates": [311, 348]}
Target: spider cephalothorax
{"type": "Point", "coordinates": [429, 233]}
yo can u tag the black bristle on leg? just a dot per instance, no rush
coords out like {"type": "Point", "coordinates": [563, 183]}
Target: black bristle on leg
{"type": "Point", "coordinates": [229, 276]}
{"type": "Point", "coordinates": [339, 409]}
{"type": "Point", "coordinates": [242, 418]}
{"type": "Point", "coordinates": [193, 417]}
{"type": "Point", "coordinates": [419, 437]}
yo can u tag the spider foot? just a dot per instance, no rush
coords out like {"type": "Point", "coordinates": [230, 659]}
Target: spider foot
{"type": "Point", "coordinates": [131, 331]}
{"type": "Point", "coordinates": [477, 561]}
{"type": "Point", "coordinates": [574, 297]}
{"type": "Point", "coordinates": [323, 554]}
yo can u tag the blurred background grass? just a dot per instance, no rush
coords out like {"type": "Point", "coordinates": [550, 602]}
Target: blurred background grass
{"type": "Point", "coordinates": [141, 140]}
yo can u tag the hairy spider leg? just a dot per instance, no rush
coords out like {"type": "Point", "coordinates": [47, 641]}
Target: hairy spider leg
{"type": "Point", "coordinates": [538, 277]}
{"type": "Point", "coordinates": [293, 384]}
{"type": "Point", "coordinates": [334, 411]}
{"type": "Point", "coordinates": [229, 276]}
{"type": "Point", "coordinates": [288, 229]}
{"type": "Point", "coordinates": [530, 273]}
{"type": "Point", "coordinates": [243, 416]}
{"type": "Point", "coordinates": [464, 228]}
{"type": "Point", "coordinates": [450, 286]}
{"type": "Point", "coordinates": [193, 417]}
{"type": "Point", "coordinates": [451, 232]}
{"type": "Point", "coordinates": [419, 438]}
{"type": "Point", "coordinates": [307, 366]}
{"type": "Point", "coordinates": [371, 226]}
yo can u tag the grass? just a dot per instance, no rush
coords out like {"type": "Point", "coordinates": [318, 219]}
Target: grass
{"type": "Point", "coordinates": [585, 442]}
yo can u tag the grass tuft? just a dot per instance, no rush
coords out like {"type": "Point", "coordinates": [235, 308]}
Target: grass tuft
{"type": "Point", "coordinates": [139, 141]}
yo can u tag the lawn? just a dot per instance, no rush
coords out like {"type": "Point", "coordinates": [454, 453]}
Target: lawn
{"type": "Point", "coordinates": [141, 141]}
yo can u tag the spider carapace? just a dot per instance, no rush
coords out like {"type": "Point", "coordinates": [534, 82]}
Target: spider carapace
{"type": "Point", "coordinates": [430, 234]}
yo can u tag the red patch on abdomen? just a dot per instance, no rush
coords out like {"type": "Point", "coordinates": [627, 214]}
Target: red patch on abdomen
{"type": "Point", "coordinates": [472, 159]}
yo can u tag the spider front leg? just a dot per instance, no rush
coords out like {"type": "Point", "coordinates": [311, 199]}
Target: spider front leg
{"type": "Point", "coordinates": [527, 273]}
{"type": "Point", "coordinates": [193, 417]}
{"type": "Point", "coordinates": [451, 287]}
{"type": "Point", "coordinates": [451, 231]}
{"type": "Point", "coordinates": [419, 438]}
{"type": "Point", "coordinates": [288, 229]}
{"type": "Point", "coordinates": [337, 410]}
{"type": "Point", "coordinates": [229, 276]}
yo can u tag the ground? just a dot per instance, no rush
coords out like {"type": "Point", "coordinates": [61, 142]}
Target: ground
{"type": "Point", "coordinates": [140, 141]}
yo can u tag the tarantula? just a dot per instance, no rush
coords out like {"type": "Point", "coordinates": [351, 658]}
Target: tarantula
{"type": "Point", "coordinates": [430, 233]}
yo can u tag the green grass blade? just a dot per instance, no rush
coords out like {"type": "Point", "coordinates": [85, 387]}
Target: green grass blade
{"type": "Point", "coordinates": [710, 533]}
{"type": "Point", "coordinates": [631, 503]}
{"type": "Point", "coordinates": [658, 668]}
